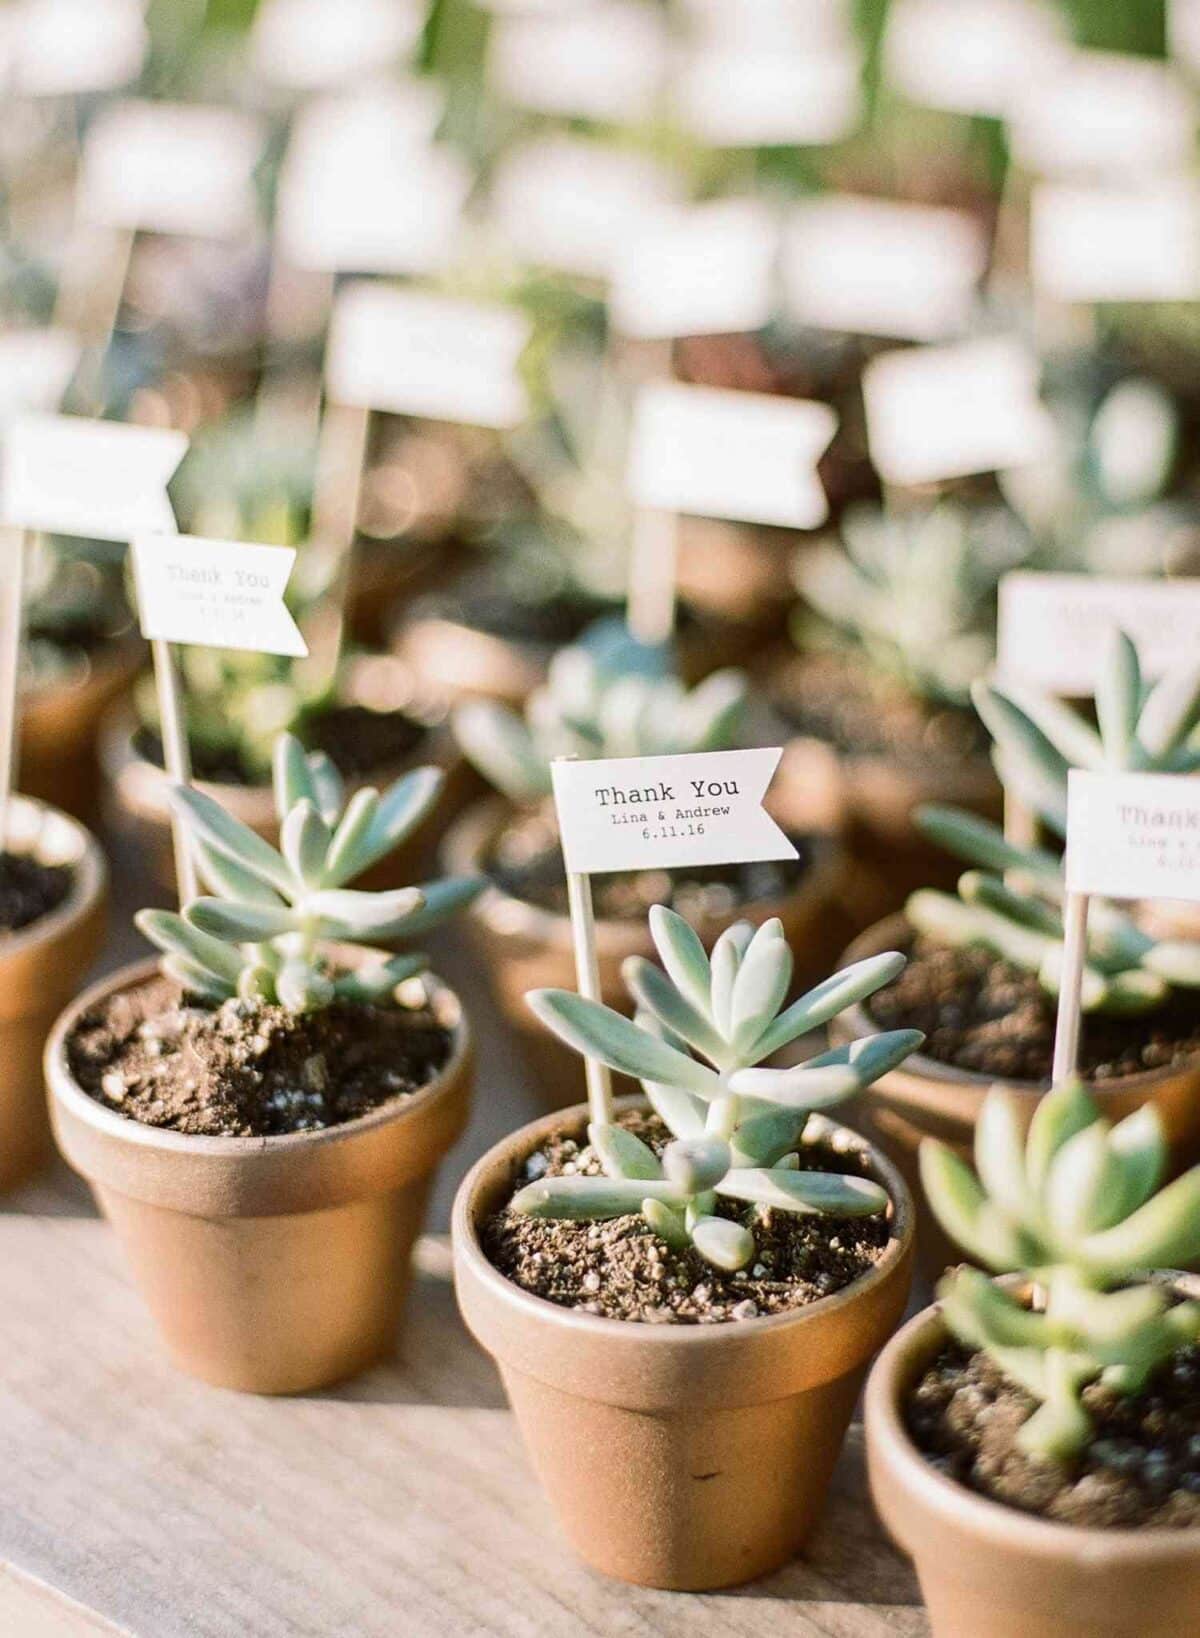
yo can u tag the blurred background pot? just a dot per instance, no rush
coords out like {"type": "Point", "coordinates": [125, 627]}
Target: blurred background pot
{"type": "Point", "coordinates": [41, 966]}
{"type": "Point", "coordinates": [61, 727]}
{"type": "Point", "coordinates": [990, 1571]}
{"type": "Point", "coordinates": [682, 1456]}
{"type": "Point", "coordinates": [274, 1264]}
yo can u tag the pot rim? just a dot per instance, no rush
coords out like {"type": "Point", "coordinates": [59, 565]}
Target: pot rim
{"type": "Point", "coordinates": [698, 1338]}
{"type": "Point", "coordinates": [467, 836]}
{"type": "Point", "coordinates": [66, 1090]}
{"type": "Point", "coordinates": [89, 878]}
{"type": "Point", "coordinates": [966, 1510]}
{"type": "Point", "coordinates": [879, 937]}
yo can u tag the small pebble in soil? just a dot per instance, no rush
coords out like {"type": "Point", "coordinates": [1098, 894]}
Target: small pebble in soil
{"type": "Point", "coordinates": [30, 890]}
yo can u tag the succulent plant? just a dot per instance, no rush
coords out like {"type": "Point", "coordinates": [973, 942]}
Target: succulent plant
{"type": "Point", "coordinates": [592, 705]}
{"type": "Point", "coordinates": [914, 591]}
{"type": "Point", "coordinates": [1012, 904]}
{"type": "Point", "coordinates": [1039, 739]}
{"type": "Point", "coordinates": [736, 1126]}
{"type": "Point", "coordinates": [248, 477]}
{"type": "Point", "coordinates": [1072, 1206]}
{"type": "Point", "coordinates": [260, 932]}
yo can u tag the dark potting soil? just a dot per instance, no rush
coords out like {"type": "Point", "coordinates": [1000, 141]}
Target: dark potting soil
{"type": "Point", "coordinates": [554, 620]}
{"type": "Point", "coordinates": [250, 1070]}
{"type": "Point", "coordinates": [30, 890]}
{"type": "Point", "coordinates": [836, 698]}
{"type": "Point", "coordinates": [359, 741]}
{"type": "Point", "coordinates": [1142, 1468]}
{"type": "Point", "coordinates": [526, 862]}
{"type": "Point", "coordinates": [622, 1270]}
{"type": "Point", "coordinates": [982, 1014]}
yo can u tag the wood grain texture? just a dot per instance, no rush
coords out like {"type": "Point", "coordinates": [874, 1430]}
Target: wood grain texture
{"type": "Point", "coordinates": [140, 1504]}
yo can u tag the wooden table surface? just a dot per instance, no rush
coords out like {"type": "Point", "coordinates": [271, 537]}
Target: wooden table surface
{"type": "Point", "coordinates": [134, 1501]}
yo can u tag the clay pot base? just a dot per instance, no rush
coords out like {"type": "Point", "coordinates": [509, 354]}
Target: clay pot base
{"type": "Point", "coordinates": [622, 1270]}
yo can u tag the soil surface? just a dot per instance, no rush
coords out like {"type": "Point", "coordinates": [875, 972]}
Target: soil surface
{"type": "Point", "coordinates": [555, 620]}
{"type": "Point", "coordinates": [29, 890]}
{"type": "Point", "coordinates": [982, 1014]}
{"type": "Point", "coordinates": [526, 862]}
{"type": "Point", "coordinates": [1142, 1468]}
{"type": "Point", "coordinates": [359, 741]}
{"type": "Point", "coordinates": [250, 1070]}
{"type": "Point", "coordinates": [622, 1270]}
{"type": "Point", "coordinates": [838, 699]}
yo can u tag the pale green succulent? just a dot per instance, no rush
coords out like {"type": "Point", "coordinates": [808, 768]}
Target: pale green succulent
{"type": "Point", "coordinates": [737, 1127]}
{"type": "Point", "coordinates": [586, 709]}
{"type": "Point", "coordinates": [260, 933]}
{"type": "Point", "coordinates": [1142, 729]}
{"type": "Point", "coordinates": [1012, 904]}
{"type": "Point", "coordinates": [1073, 1207]}
{"type": "Point", "coordinates": [915, 591]}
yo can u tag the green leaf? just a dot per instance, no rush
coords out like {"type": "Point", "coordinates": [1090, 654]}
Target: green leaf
{"type": "Point", "coordinates": [682, 954]}
{"type": "Point", "coordinates": [654, 991]}
{"type": "Point", "coordinates": [1119, 701]}
{"type": "Point", "coordinates": [329, 791]}
{"type": "Point", "coordinates": [1021, 743]}
{"type": "Point", "coordinates": [348, 855]}
{"type": "Point", "coordinates": [1068, 733]}
{"type": "Point", "coordinates": [1164, 1233]}
{"type": "Point", "coordinates": [679, 1111]}
{"type": "Point", "coordinates": [801, 1088]}
{"type": "Point", "coordinates": [197, 980]}
{"type": "Point", "coordinates": [304, 839]}
{"type": "Point", "coordinates": [230, 880]}
{"type": "Point", "coordinates": [399, 811]}
{"type": "Point", "coordinates": [723, 1243]}
{"type": "Point", "coordinates": [725, 961]}
{"type": "Point", "coordinates": [992, 893]}
{"type": "Point", "coordinates": [1170, 713]}
{"type": "Point", "coordinates": [178, 937]}
{"type": "Point", "coordinates": [345, 913]}
{"type": "Point", "coordinates": [763, 1139]}
{"type": "Point", "coordinates": [239, 923]}
{"type": "Point", "coordinates": [667, 1223]}
{"type": "Point", "coordinates": [290, 776]}
{"type": "Point", "coordinates": [1000, 1152]}
{"type": "Point", "coordinates": [622, 1153]}
{"type": "Point", "coordinates": [836, 993]}
{"type": "Point", "coordinates": [206, 821]}
{"type": "Point", "coordinates": [961, 1207]}
{"type": "Point", "coordinates": [599, 1032]}
{"type": "Point", "coordinates": [1065, 1110]}
{"type": "Point", "coordinates": [788, 1190]}
{"type": "Point", "coordinates": [1139, 1145]}
{"type": "Point", "coordinates": [301, 988]}
{"type": "Point", "coordinates": [588, 1199]}
{"type": "Point", "coordinates": [979, 842]}
{"type": "Point", "coordinates": [500, 746]}
{"type": "Point", "coordinates": [696, 1164]}
{"type": "Point", "coordinates": [1176, 961]}
{"type": "Point", "coordinates": [379, 979]}
{"type": "Point", "coordinates": [1082, 1176]}
{"type": "Point", "coordinates": [761, 985]}
{"type": "Point", "coordinates": [440, 901]}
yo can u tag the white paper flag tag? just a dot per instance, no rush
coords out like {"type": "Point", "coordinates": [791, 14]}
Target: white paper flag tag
{"type": "Point", "coordinates": [415, 353]}
{"type": "Point", "coordinates": [754, 95]}
{"type": "Point", "coordinates": [699, 270]}
{"type": "Point", "coordinates": [215, 593]}
{"type": "Point", "coordinates": [1054, 628]}
{"type": "Point", "coordinates": [603, 62]}
{"type": "Point", "coordinates": [1133, 836]}
{"type": "Point", "coordinates": [36, 367]}
{"type": "Point", "coordinates": [60, 48]}
{"type": "Point", "coordinates": [720, 454]}
{"type": "Point", "coordinates": [99, 480]}
{"type": "Point", "coordinates": [570, 203]}
{"type": "Point", "coordinates": [871, 267]}
{"type": "Point", "coordinates": [653, 812]}
{"type": "Point", "coordinates": [308, 44]}
{"type": "Point", "coordinates": [1138, 243]}
{"type": "Point", "coordinates": [968, 56]}
{"type": "Point", "coordinates": [168, 167]}
{"type": "Point", "coordinates": [948, 412]}
{"type": "Point", "coordinates": [1097, 113]}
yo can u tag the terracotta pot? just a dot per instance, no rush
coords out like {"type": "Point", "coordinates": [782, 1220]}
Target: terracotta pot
{"type": "Point", "coordinates": [526, 947]}
{"type": "Point", "coordinates": [738, 572]}
{"type": "Point", "coordinates": [40, 969]}
{"type": "Point", "coordinates": [926, 1098]}
{"type": "Point", "coordinates": [61, 724]}
{"type": "Point", "coordinates": [990, 1571]}
{"type": "Point", "coordinates": [271, 1265]}
{"type": "Point", "coordinates": [681, 1456]}
{"type": "Point", "coordinates": [138, 802]}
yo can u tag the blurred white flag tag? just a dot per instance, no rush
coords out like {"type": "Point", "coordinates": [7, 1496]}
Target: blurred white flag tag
{"type": "Point", "coordinates": [720, 454]}
{"type": "Point", "coordinates": [968, 56]}
{"type": "Point", "coordinates": [653, 812]}
{"type": "Point", "coordinates": [569, 203]}
{"type": "Point", "coordinates": [1133, 836]}
{"type": "Point", "coordinates": [699, 270]}
{"type": "Point", "coordinates": [99, 480]}
{"type": "Point", "coordinates": [1098, 113]}
{"type": "Point", "coordinates": [36, 367]}
{"type": "Point", "coordinates": [168, 167]}
{"type": "Point", "coordinates": [753, 95]}
{"type": "Point", "coordinates": [309, 44]}
{"type": "Point", "coordinates": [871, 267]}
{"type": "Point", "coordinates": [1107, 244]}
{"type": "Point", "coordinates": [414, 353]}
{"type": "Point", "coordinates": [215, 593]}
{"type": "Point", "coordinates": [1183, 33]}
{"type": "Point", "coordinates": [60, 48]}
{"type": "Point", "coordinates": [604, 62]}
{"type": "Point", "coordinates": [948, 412]}
{"type": "Point", "coordinates": [1054, 628]}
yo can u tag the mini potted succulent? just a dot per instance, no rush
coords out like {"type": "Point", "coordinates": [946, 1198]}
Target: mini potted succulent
{"type": "Point", "coordinates": [1033, 1441]}
{"type": "Point", "coordinates": [682, 1299]}
{"type": "Point", "coordinates": [899, 618]}
{"type": "Point", "coordinates": [608, 697]}
{"type": "Point", "coordinates": [982, 983]}
{"type": "Point", "coordinates": [261, 1114]}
